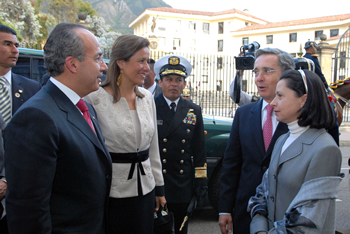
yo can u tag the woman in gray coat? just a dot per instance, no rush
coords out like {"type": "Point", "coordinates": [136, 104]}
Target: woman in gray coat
{"type": "Point", "coordinates": [298, 191]}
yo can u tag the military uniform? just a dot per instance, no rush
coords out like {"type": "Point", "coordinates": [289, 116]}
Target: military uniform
{"type": "Point", "coordinates": [314, 58]}
{"type": "Point", "coordinates": [180, 138]}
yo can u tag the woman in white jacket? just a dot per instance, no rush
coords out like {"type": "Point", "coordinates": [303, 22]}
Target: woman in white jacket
{"type": "Point", "coordinates": [127, 117]}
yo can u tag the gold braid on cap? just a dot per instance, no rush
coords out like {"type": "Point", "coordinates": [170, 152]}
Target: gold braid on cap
{"type": "Point", "coordinates": [201, 172]}
{"type": "Point", "coordinates": [119, 81]}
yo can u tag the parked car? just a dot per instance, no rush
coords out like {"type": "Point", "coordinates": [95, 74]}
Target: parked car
{"type": "Point", "coordinates": [30, 64]}
{"type": "Point", "coordinates": [217, 129]}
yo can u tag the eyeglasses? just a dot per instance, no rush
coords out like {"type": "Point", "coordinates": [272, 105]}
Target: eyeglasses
{"type": "Point", "coordinates": [302, 73]}
{"type": "Point", "coordinates": [266, 71]}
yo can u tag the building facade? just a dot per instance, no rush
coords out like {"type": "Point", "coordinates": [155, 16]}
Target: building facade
{"type": "Point", "coordinates": [211, 40]}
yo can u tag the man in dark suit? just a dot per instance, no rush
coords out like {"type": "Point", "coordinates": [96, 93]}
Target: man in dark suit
{"type": "Point", "coordinates": [59, 173]}
{"type": "Point", "coordinates": [14, 91]}
{"type": "Point", "coordinates": [181, 136]}
{"type": "Point", "coordinates": [248, 151]}
{"type": "Point", "coordinates": [150, 83]}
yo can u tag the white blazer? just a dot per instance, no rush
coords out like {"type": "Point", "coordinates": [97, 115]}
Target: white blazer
{"type": "Point", "coordinates": [120, 137]}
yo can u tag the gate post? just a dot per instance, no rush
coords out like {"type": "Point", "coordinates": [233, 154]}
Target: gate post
{"type": "Point", "coordinates": [325, 57]}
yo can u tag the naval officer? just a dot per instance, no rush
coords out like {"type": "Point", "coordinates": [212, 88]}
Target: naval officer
{"type": "Point", "coordinates": [181, 136]}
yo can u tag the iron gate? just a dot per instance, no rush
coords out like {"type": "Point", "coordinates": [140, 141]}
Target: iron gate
{"type": "Point", "coordinates": [341, 66]}
{"type": "Point", "coordinates": [342, 58]}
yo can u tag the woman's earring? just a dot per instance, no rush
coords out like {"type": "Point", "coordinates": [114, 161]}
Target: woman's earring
{"type": "Point", "coordinates": [119, 81]}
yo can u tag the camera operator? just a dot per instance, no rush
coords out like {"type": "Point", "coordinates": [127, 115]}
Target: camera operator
{"type": "Point", "coordinates": [235, 92]}
{"type": "Point", "coordinates": [244, 61]}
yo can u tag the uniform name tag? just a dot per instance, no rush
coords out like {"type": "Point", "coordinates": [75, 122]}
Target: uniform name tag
{"type": "Point", "coordinates": [159, 122]}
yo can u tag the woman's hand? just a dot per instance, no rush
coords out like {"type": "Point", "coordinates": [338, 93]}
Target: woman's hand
{"type": "Point", "coordinates": [160, 201]}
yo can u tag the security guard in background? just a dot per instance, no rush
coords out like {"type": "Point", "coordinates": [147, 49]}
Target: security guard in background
{"type": "Point", "coordinates": [181, 136]}
{"type": "Point", "coordinates": [311, 50]}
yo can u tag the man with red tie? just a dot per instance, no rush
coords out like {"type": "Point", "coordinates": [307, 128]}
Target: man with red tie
{"type": "Point", "coordinates": [59, 173]}
{"type": "Point", "coordinates": [253, 134]}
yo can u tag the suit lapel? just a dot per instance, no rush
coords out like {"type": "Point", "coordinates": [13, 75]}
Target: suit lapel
{"type": "Point", "coordinates": [281, 129]}
{"type": "Point", "coordinates": [163, 111]}
{"type": "Point", "coordinates": [16, 88]}
{"type": "Point", "coordinates": [296, 148]}
{"type": "Point", "coordinates": [276, 159]}
{"type": "Point", "coordinates": [180, 114]}
{"type": "Point", "coordinates": [73, 114]}
{"type": "Point", "coordinates": [255, 122]}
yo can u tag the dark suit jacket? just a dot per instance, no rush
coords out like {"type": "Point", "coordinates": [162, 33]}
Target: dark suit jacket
{"type": "Point", "coordinates": [59, 172]}
{"type": "Point", "coordinates": [158, 90]}
{"type": "Point", "coordinates": [179, 141]}
{"type": "Point", "coordinates": [244, 163]}
{"type": "Point", "coordinates": [2, 168]}
{"type": "Point", "coordinates": [22, 89]}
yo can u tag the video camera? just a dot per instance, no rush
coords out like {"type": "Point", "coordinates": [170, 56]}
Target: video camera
{"type": "Point", "coordinates": [246, 62]}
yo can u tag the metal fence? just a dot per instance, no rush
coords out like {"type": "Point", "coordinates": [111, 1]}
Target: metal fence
{"type": "Point", "coordinates": [210, 80]}
{"type": "Point", "coordinates": [341, 60]}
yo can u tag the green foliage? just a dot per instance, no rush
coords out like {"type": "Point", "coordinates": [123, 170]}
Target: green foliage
{"type": "Point", "coordinates": [87, 8]}
{"type": "Point", "coordinates": [65, 11]}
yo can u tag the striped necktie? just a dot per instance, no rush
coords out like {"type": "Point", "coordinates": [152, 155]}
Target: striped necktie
{"type": "Point", "coordinates": [5, 101]}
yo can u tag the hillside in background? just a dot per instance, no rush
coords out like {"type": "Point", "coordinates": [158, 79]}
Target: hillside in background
{"type": "Point", "coordinates": [119, 13]}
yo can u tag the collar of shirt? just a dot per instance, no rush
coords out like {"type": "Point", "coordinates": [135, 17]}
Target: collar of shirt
{"type": "Point", "coordinates": [152, 89]}
{"type": "Point", "coordinates": [73, 96]}
{"type": "Point", "coordinates": [8, 78]}
{"type": "Point", "coordinates": [169, 102]}
{"type": "Point", "coordinates": [264, 116]}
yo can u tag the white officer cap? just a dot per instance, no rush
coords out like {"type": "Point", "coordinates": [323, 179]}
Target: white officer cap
{"type": "Point", "coordinates": [172, 64]}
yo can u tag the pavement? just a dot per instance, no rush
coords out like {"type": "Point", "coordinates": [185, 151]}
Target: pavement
{"type": "Point", "coordinates": [344, 138]}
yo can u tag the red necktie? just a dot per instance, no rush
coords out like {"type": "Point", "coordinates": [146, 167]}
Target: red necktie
{"type": "Point", "coordinates": [84, 109]}
{"type": "Point", "coordinates": [267, 129]}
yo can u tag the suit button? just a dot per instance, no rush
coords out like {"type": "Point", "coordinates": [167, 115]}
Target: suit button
{"type": "Point", "coordinates": [272, 198]}
{"type": "Point", "coordinates": [182, 151]}
{"type": "Point", "coordinates": [165, 140]}
{"type": "Point", "coordinates": [181, 172]}
{"type": "Point", "coordinates": [164, 150]}
{"type": "Point", "coordinates": [164, 161]}
{"type": "Point", "coordinates": [164, 171]}
{"type": "Point", "coordinates": [188, 130]}
{"type": "Point", "coordinates": [108, 177]}
{"type": "Point", "coordinates": [182, 161]}
{"type": "Point", "coordinates": [264, 169]}
{"type": "Point", "coordinates": [183, 141]}
{"type": "Point", "coordinates": [274, 176]}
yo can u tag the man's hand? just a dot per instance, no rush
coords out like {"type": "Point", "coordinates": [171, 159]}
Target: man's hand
{"type": "Point", "coordinates": [3, 187]}
{"type": "Point", "coordinates": [160, 201]}
{"type": "Point", "coordinates": [225, 223]}
{"type": "Point", "coordinates": [241, 71]}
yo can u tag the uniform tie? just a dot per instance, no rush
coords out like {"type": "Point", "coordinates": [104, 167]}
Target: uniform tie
{"type": "Point", "coordinates": [5, 101]}
{"type": "Point", "coordinates": [173, 106]}
{"type": "Point", "coordinates": [267, 129]}
{"type": "Point", "coordinates": [84, 109]}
